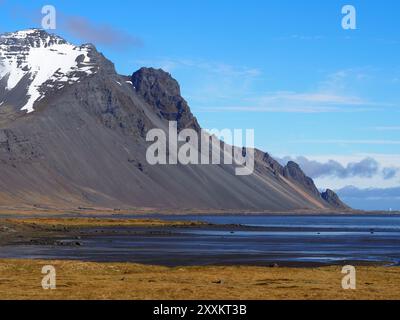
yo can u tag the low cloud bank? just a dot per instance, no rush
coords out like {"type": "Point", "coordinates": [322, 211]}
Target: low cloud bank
{"type": "Point", "coordinates": [371, 199]}
{"type": "Point", "coordinates": [366, 168]}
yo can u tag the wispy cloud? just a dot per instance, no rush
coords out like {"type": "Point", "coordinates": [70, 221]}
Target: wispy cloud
{"type": "Point", "coordinates": [341, 80]}
{"type": "Point", "coordinates": [330, 95]}
{"type": "Point", "coordinates": [271, 109]}
{"type": "Point", "coordinates": [222, 87]}
{"type": "Point", "coordinates": [348, 142]}
{"type": "Point", "coordinates": [292, 102]}
{"type": "Point", "coordinates": [222, 69]}
{"type": "Point", "coordinates": [300, 37]}
{"type": "Point", "coordinates": [81, 28]}
{"type": "Point", "coordinates": [388, 128]}
{"type": "Point", "coordinates": [324, 98]}
{"type": "Point", "coordinates": [99, 34]}
{"type": "Point", "coordinates": [205, 81]}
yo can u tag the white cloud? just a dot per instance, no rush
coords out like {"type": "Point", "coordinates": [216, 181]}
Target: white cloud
{"type": "Point", "coordinates": [377, 180]}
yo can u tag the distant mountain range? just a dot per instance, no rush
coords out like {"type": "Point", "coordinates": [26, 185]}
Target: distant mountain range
{"type": "Point", "coordinates": [73, 133]}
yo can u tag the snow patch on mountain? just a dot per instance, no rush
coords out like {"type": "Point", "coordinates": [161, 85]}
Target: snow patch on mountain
{"type": "Point", "coordinates": [49, 62]}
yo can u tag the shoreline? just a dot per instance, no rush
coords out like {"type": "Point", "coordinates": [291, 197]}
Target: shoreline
{"type": "Point", "coordinates": [23, 231]}
{"type": "Point", "coordinates": [94, 211]}
{"type": "Point", "coordinates": [82, 238]}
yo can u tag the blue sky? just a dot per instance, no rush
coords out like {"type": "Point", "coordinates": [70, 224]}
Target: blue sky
{"type": "Point", "coordinates": [285, 68]}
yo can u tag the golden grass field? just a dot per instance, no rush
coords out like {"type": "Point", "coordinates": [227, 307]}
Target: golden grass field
{"type": "Point", "coordinates": [21, 279]}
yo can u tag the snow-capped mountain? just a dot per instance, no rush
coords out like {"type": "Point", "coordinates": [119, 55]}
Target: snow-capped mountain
{"type": "Point", "coordinates": [40, 61]}
{"type": "Point", "coordinates": [83, 142]}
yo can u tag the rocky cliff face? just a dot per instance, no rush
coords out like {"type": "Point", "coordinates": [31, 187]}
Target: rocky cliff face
{"type": "Point", "coordinates": [333, 199]}
{"type": "Point", "coordinates": [293, 171]}
{"type": "Point", "coordinates": [81, 140]}
{"type": "Point", "coordinates": [163, 93]}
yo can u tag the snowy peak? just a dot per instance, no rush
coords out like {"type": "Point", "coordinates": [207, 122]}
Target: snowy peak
{"type": "Point", "coordinates": [39, 61]}
{"type": "Point", "coordinates": [34, 38]}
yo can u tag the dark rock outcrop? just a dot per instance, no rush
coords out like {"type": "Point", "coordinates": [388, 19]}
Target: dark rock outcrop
{"type": "Point", "coordinates": [333, 199]}
{"type": "Point", "coordinates": [293, 171]}
{"type": "Point", "coordinates": [161, 91]}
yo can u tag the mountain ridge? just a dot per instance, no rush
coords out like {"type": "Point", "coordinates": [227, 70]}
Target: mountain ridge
{"type": "Point", "coordinates": [84, 144]}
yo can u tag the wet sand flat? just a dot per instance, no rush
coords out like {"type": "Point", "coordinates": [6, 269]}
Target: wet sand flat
{"type": "Point", "coordinates": [286, 241]}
